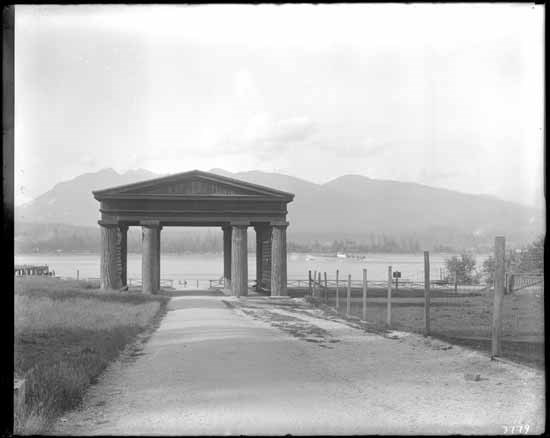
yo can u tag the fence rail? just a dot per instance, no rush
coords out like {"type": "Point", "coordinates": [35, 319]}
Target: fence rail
{"type": "Point", "coordinates": [477, 316]}
{"type": "Point", "coordinates": [402, 284]}
{"type": "Point", "coordinates": [515, 282]}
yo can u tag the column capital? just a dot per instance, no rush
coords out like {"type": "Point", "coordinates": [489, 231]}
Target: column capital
{"type": "Point", "coordinates": [240, 224]}
{"type": "Point", "coordinates": [279, 224]}
{"type": "Point", "coordinates": [151, 224]}
{"type": "Point", "coordinates": [108, 224]}
{"type": "Point", "coordinates": [123, 227]}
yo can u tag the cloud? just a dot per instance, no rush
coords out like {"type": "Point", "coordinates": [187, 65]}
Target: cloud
{"type": "Point", "coordinates": [260, 26]}
{"type": "Point", "coordinates": [377, 150]}
{"type": "Point", "coordinates": [20, 197]}
{"type": "Point", "coordinates": [286, 131]}
{"type": "Point", "coordinates": [436, 176]}
{"type": "Point", "coordinates": [263, 136]}
{"type": "Point", "coordinates": [88, 161]}
{"type": "Point", "coordinates": [245, 87]}
{"type": "Point", "coordinates": [357, 148]}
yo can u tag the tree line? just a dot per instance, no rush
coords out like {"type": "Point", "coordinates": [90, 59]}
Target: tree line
{"type": "Point", "coordinates": [529, 259]}
{"type": "Point", "coordinates": [376, 243]}
{"type": "Point", "coordinates": [48, 238]}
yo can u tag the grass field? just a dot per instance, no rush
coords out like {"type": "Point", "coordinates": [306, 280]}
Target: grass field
{"type": "Point", "coordinates": [66, 332]}
{"type": "Point", "coordinates": [464, 318]}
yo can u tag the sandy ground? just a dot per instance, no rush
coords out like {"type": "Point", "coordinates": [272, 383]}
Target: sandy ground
{"type": "Point", "coordinates": [220, 365]}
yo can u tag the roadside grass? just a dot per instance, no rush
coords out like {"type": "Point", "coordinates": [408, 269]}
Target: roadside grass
{"type": "Point", "coordinates": [66, 332]}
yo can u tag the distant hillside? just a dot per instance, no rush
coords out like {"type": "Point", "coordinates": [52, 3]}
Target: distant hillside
{"type": "Point", "coordinates": [71, 202]}
{"type": "Point", "coordinates": [349, 207]}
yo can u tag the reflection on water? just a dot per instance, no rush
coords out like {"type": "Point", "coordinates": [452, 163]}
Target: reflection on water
{"type": "Point", "coordinates": [210, 266]}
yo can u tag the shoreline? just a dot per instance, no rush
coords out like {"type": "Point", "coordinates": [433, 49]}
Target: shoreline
{"type": "Point", "coordinates": [307, 253]}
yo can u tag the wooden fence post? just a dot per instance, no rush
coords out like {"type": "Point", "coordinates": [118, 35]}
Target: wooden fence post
{"type": "Point", "coordinates": [77, 274]}
{"type": "Point", "coordinates": [427, 292]}
{"type": "Point", "coordinates": [506, 283]}
{"type": "Point", "coordinates": [388, 314]}
{"type": "Point", "coordinates": [364, 294]}
{"type": "Point", "coordinates": [315, 286]}
{"type": "Point", "coordinates": [456, 283]}
{"type": "Point", "coordinates": [498, 300]}
{"type": "Point", "coordinates": [314, 283]}
{"type": "Point", "coordinates": [326, 288]}
{"type": "Point", "coordinates": [337, 292]}
{"type": "Point", "coordinates": [19, 390]}
{"type": "Point", "coordinates": [348, 305]}
{"type": "Point", "coordinates": [320, 290]}
{"type": "Point", "coordinates": [309, 282]}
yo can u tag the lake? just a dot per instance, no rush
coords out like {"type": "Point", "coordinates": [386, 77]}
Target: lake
{"type": "Point", "coordinates": [202, 267]}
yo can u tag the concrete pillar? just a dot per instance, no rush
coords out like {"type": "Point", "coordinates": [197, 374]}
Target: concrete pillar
{"type": "Point", "coordinates": [110, 267]}
{"type": "Point", "coordinates": [123, 229]}
{"type": "Point", "coordinates": [278, 260]}
{"type": "Point", "coordinates": [239, 260]}
{"type": "Point", "coordinates": [157, 262]}
{"type": "Point", "coordinates": [227, 257]}
{"type": "Point", "coordinates": [149, 258]}
{"type": "Point", "coordinates": [260, 235]}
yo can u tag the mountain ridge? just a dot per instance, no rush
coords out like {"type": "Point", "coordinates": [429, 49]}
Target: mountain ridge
{"type": "Point", "coordinates": [351, 204]}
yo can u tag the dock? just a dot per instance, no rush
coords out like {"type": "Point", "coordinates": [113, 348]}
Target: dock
{"type": "Point", "coordinates": [24, 270]}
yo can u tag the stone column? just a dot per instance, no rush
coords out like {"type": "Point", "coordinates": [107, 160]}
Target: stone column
{"type": "Point", "coordinates": [149, 258]}
{"type": "Point", "coordinates": [227, 257]}
{"type": "Point", "coordinates": [239, 259]}
{"type": "Point", "coordinates": [260, 232]}
{"type": "Point", "coordinates": [157, 262]}
{"type": "Point", "coordinates": [110, 268]}
{"type": "Point", "coordinates": [278, 259]}
{"type": "Point", "coordinates": [123, 229]}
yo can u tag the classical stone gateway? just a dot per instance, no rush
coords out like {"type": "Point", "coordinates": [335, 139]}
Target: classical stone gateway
{"type": "Point", "coordinates": [196, 198]}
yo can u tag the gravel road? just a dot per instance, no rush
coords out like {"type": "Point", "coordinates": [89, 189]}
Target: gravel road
{"type": "Point", "coordinates": [261, 366]}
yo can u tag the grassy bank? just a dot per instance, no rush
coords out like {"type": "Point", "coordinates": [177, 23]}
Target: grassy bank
{"type": "Point", "coordinates": [66, 332]}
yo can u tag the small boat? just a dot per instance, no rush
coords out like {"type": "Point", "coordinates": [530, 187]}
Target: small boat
{"type": "Point", "coordinates": [310, 257]}
{"type": "Point", "coordinates": [341, 255]}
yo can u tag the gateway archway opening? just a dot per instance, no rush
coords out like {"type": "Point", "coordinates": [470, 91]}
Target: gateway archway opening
{"type": "Point", "coordinates": [195, 199]}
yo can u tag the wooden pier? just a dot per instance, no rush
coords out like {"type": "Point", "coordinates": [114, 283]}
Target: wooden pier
{"type": "Point", "coordinates": [24, 270]}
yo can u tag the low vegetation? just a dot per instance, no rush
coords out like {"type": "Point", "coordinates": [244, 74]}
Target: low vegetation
{"type": "Point", "coordinates": [463, 318]}
{"type": "Point", "coordinates": [529, 259]}
{"type": "Point", "coordinates": [66, 332]}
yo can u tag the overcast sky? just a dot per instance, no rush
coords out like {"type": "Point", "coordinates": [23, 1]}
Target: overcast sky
{"type": "Point", "coordinates": [444, 95]}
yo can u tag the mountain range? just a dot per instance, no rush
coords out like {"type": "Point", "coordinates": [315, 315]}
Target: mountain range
{"type": "Point", "coordinates": [348, 207]}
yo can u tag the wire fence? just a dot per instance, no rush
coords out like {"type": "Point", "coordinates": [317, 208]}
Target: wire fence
{"type": "Point", "coordinates": [462, 315]}
{"type": "Point", "coordinates": [471, 315]}
{"type": "Point", "coordinates": [523, 324]}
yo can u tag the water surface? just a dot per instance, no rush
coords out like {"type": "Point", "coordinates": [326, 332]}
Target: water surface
{"type": "Point", "coordinates": [204, 267]}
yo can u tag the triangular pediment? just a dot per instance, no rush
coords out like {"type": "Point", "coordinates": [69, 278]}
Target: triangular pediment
{"type": "Point", "coordinates": [191, 184]}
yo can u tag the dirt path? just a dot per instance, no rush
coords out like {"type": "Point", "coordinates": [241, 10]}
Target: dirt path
{"type": "Point", "coordinates": [219, 365]}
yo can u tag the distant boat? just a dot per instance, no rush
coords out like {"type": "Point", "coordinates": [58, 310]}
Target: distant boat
{"type": "Point", "coordinates": [310, 257]}
{"type": "Point", "coordinates": [341, 255]}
